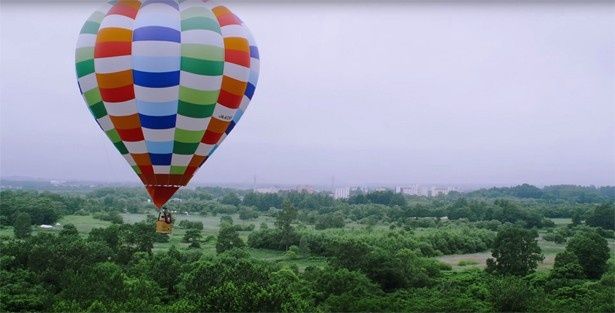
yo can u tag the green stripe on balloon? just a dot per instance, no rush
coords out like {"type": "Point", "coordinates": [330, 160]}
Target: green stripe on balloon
{"type": "Point", "coordinates": [84, 54]}
{"type": "Point", "coordinates": [206, 52]}
{"type": "Point", "coordinates": [195, 110]}
{"type": "Point", "coordinates": [121, 147]}
{"type": "Point", "coordinates": [178, 170]}
{"type": "Point", "coordinates": [90, 27]}
{"type": "Point", "coordinates": [188, 136]}
{"type": "Point", "coordinates": [202, 97]}
{"type": "Point", "coordinates": [185, 148]}
{"type": "Point", "coordinates": [98, 110]}
{"type": "Point", "coordinates": [200, 23]}
{"type": "Point", "coordinates": [85, 68]}
{"type": "Point", "coordinates": [202, 67]}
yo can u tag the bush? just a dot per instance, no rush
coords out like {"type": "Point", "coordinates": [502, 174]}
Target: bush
{"type": "Point", "coordinates": [113, 217]}
{"type": "Point", "coordinates": [554, 237]}
{"type": "Point", "coordinates": [247, 213]}
{"type": "Point", "coordinates": [198, 225]}
{"type": "Point", "coordinates": [330, 221]}
{"type": "Point", "coordinates": [292, 252]}
{"type": "Point", "coordinates": [511, 294]}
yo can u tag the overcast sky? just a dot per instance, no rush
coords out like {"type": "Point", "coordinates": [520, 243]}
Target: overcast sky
{"type": "Point", "coordinates": [369, 93]}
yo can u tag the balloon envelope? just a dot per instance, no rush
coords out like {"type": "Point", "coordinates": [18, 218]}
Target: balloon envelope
{"type": "Point", "coordinates": [166, 81]}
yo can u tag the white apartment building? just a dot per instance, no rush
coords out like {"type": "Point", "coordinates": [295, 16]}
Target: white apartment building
{"type": "Point", "coordinates": [341, 193]}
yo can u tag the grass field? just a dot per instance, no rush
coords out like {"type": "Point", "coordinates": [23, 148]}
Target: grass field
{"type": "Point", "coordinates": [561, 221]}
{"type": "Point", "coordinates": [549, 250]}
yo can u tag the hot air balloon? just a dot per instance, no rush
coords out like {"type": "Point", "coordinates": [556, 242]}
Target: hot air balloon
{"type": "Point", "coordinates": [167, 81]}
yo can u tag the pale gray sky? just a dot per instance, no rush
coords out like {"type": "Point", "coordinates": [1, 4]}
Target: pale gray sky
{"type": "Point", "coordinates": [371, 93]}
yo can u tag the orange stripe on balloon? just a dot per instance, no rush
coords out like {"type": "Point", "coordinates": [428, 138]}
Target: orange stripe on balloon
{"type": "Point", "coordinates": [114, 80]}
{"type": "Point", "coordinates": [114, 34]}
{"type": "Point", "coordinates": [233, 86]}
{"type": "Point", "coordinates": [126, 122]}
{"type": "Point", "coordinates": [236, 43]}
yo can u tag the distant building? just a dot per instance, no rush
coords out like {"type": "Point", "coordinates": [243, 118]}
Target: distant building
{"type": "Point", "coordinates": [440, 191]}
{"type": "Point", "coordinates": [410, 190]}
{"type": "Point", "coordinates": [342, 193]}
{"type": "Point", "coordinates": [306, 189]}
{"type": "Point", "coordinates": [416, 190]}
{"type": "Point", "coordinates": [266, 190]}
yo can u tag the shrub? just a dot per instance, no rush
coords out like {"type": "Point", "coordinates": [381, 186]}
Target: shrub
{"type": "Point", "coordinates": [554, 237]}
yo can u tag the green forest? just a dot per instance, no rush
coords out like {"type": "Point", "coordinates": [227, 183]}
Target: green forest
{"type": "Point", "coordinates": [513, 249]}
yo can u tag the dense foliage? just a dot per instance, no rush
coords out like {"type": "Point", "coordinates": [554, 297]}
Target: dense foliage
{"type": "Point", "coordinates": [376, 252]}
{"type": "Point", "coordinates": [113, 270]}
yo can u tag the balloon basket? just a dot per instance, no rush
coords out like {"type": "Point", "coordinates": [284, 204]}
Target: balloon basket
{"type": "Point", "coordinates": [163, 227]}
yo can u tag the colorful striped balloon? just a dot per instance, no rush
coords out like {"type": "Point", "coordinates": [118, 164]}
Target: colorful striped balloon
{"type": "Point", "coordinates": [167, 81]}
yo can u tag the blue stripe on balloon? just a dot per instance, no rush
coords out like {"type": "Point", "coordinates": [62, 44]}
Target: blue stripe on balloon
{"type": "Point", "coordinates": [157, 122]}
{"type": "Point", "coordinates": [172, 3]}
{"type": "Point", "coordinates": [230, 127]}
{"type": "Point", "coordinates": [156, 80]}
{"type": "Point", "coordinates": [213, 150]}
{"type": "Point", "coordinates": [161, 159]}
{"type": "Point", "coordinates": [155, 64]}
{"type": "Point", "coordinates": [237, 116]}
{"type": "Point", "coordinates": [157, 108]}
{"type": "Point", "coordinates": [250, 91]}
{"type": "Point", "coordinates": [254, 52]}
{"type": "Point", "coordinates": [156, 33]}
{"type": "Point", "coordinates": [159, 147]}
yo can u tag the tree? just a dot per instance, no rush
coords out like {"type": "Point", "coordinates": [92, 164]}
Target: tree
{"type": "Point", "coordinates": [247, 213]}
{"type": "Point", "coordinates": [516, 252]}
{"type": "Point", "coordinates": [577, 217]}
{"type": "Point", "coordinates": [592, 250]}
{"type": "Point", "coordinates": [231, 199]}
{"type": "Point", "coordinates": [228, 239]}
{"type": "Point", "coordinates": [69, 230]}
{"type": "Point", "coordinates": [193, 236]}
{"type": "Point", "coordinates": [286, 216]}
{"type": "Point", "coordinates": [23, 226]}
{"type": "Point", "coordinates": [226, 220]}
{"type": "Point", "coordinates": [602, 216]}
{"type": "Point", "coordinates": [283, 222]}
{"type": "Point", "coordinates": [567, 266]}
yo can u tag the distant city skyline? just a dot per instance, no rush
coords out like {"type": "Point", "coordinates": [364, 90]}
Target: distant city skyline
{"type": "Point", "coordinates": [393, 93]}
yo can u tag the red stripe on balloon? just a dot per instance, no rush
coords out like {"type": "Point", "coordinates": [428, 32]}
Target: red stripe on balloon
{"type": "Point", "coordinates": [237, 57]}
{"type": "Point", "coordinates": [131, 135]}
{"type": "Point", "coordinates": [125, 10]}
{"type": "Point", "coordinates": [120, 94]}
{"type": "Point", "coordinates": [112, 49]}
{"type": "Point", "coordinates": [211, 138]}
{"type": "Point", "coordinates": [229, 100]}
